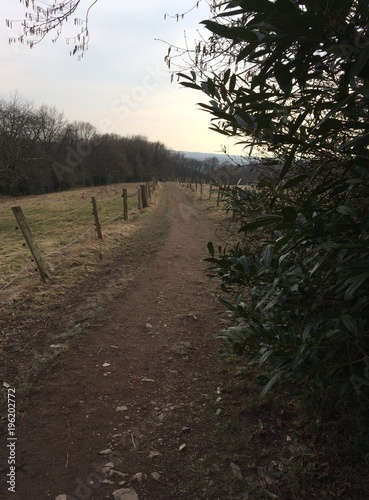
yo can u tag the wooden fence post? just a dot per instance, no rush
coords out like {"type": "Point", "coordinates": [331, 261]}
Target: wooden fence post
{"type": "Point", "coordinates": [145, 203]}
{"type": "Point", "coordinates": [32, 245]}
{"type": "Point", "coordinates": [139, 196]}
{"type": "Point", "coordinates": [218, 199]}
{"type": "Point", "coordinates": [96, 217]}
{"type": "Point", "coordinates": [125, 204]}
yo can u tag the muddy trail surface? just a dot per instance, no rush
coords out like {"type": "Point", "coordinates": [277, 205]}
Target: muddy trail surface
{"type": "Point", "coordinates": [131, 406]}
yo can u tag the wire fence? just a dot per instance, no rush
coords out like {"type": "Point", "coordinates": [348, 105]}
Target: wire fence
{"type": "Point", "coordinates": [57, 223]}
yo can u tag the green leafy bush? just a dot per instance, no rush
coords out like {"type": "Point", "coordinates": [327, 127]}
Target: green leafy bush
{"type": "Point", "coordinates": [300, 280]}
{"type": "Point", "coordinates": [290, 79]}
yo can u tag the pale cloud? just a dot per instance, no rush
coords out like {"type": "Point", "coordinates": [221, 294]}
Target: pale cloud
{"type": "Point", "coordinates": [122, 79]}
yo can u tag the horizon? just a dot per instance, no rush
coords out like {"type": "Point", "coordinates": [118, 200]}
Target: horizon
{"type": "Point", "coordinates": [110, 88]}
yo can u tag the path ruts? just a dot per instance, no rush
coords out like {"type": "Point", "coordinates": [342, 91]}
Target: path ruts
{"type": "Point", "coordinates": [141, 382]}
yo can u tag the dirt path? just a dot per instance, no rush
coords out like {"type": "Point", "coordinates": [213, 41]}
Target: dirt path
{"type": "Point", "coordinates": [144, 402]}
{"type": "Point", "coordinates": [142, 383]}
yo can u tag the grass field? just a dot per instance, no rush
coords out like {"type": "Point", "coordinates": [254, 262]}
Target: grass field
{"type": "Point", "coordinates": [63, 227]}
{"type": "Point", "coordinates": [62, 224]}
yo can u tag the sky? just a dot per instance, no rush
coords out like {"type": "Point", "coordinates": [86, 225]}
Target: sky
{"type": "Point", "coordinates": [121, 85]}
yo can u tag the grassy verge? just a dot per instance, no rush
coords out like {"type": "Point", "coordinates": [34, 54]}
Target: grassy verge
{"type": "Point", "coordinates": [60, 223]}
{"type": "Point", "coordinates": [40, 321]}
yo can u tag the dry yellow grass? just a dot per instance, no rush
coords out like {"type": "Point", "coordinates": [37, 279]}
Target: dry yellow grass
{"type": "Point", "coordinates": [63, 227]}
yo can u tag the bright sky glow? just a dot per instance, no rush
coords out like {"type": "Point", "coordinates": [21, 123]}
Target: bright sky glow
{"type": "Point", "coordinates": [122, 84]}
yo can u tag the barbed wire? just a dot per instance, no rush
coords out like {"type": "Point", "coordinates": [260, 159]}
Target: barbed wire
{"type": "Point", "coordinates": [7, 217]}
{"type": "Point", "coordinates": [104, 200]}
{"type": "Point", "coordinates": [59, 216]}
{"type": "Point", "coordinates": [69, 244]}
{"type": "Point", "coordinates": [14, 278]}
{"type": "Point", "coordinates": [133, 195]}
{"type": "Point", "coordinates": [15, 239]}
{"type": "Point", "coordinates": [66, 229]}
{"type": "Point", "coordinates": [8, 231]}
{"type": "Point", "coordinates": [32, 211]}
{"type": "Point", "coordinates": [10, 254]}
{"type": "Point", "coordinates": [41, 233]}
{"type": "Point", "coordinates": [116, 219]}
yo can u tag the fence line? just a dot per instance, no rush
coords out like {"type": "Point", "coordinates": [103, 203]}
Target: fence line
{"type": "Point", "coordinates": [38, 230]}
{"type": "Point", "coordinates": [42, 234]}
{"type": "Point", "coordinates": [59, 216]}
{"type": "Point", "coordinates": [14, 278]}
{"type": "Point", "coordinates": [70, 243]}
{"type": "Point", "coordinates": [114, 219]}
{"type": "Point", "coordinates": [4, 234]}
{"type": "Point", "coordinates": [9, 255]}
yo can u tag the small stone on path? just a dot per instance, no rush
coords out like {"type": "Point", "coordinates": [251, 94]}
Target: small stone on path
{"type": "Point", "coordinates": [125, 494]}
{"type": "Point", "coordinates": [236, 471]}
{"type": "Point", "coordinates": [106, 468]}
{"type": "Point", "coordinates": [121, 408]}
{"type": "Point", "coordinates": [117, 473]}
{"type": "Point", "coordinates": [139, 477]}
{"type": "Point", "coordinates": [105, 452]}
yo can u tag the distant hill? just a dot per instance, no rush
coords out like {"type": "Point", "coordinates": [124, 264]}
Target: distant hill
{"type": "Point", "coordinates": [223, 158]}
{"type": "Point", "coordinates": [244, 172]}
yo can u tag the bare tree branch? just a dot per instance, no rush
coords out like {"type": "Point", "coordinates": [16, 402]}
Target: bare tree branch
{"type": "Point", "coordinates": [41, 18]}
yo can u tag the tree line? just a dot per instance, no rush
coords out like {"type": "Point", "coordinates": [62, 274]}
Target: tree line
{"type": "Point", "coordinates": [41, 152]}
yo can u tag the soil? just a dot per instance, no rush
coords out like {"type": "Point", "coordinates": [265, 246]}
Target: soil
{"type": "Point", "coordinates": [152, 353]}
{"type": "Point", "coordinates": [144, 397]}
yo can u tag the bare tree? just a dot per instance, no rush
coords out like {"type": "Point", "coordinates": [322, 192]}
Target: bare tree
{"type": "Point", "coordinates": [16, 124]}
{"type": "Point", "coordinates": [42, 18]}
